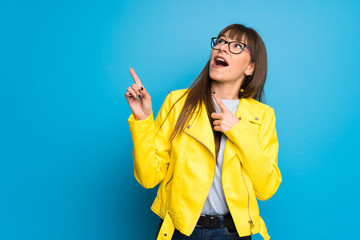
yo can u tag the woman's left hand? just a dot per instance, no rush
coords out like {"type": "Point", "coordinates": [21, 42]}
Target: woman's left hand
{"type": "Point", "coordinates": [225, 120]}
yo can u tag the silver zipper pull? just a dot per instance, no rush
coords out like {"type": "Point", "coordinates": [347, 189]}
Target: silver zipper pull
{"type": "Point", "coordinates": [251, 224]}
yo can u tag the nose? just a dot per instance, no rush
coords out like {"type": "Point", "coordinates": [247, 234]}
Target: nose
{"type": "Point", "coordinates": [224, 48]}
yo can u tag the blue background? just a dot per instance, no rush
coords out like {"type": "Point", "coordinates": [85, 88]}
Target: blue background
{"type": "Point", "coordinates": [65, 160]}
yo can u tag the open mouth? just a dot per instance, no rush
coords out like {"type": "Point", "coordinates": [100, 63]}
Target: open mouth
{"type": "Point", "coordinates": [220, 62]}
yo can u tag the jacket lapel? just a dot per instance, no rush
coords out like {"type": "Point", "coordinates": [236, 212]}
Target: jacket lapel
{"type": "Point", "coordinates": [199, 128]}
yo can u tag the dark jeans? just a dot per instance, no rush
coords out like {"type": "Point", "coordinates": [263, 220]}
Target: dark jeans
{"type": "Point", "coordinates": [201, 233]}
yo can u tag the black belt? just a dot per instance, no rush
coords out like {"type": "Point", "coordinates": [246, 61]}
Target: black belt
{"type": "Point", "coordinates": [209, 221]}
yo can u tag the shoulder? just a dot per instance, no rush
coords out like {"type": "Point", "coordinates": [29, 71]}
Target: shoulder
{"type": "Point", "coordinates": [176, 95]}
{"type": "Point", "coordinates": [257, 110]}
{"type": "Point", "coordinates": [256, 105]}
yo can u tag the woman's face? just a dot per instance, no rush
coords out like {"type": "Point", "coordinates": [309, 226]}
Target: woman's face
{"type": "Point", "coordinates": [236, 67]}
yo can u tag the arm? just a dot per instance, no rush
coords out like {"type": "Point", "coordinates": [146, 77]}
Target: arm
{"type": "Point", "coordinates": [258, 152]}
{"type": "Point", "coordinates": [151, 146]}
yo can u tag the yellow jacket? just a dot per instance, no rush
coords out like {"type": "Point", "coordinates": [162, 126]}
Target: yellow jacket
{"type": "Point", "coordinates": [185, 167]}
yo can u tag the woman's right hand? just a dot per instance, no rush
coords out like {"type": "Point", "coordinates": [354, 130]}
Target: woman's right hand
{"type": "Point", "coordinates": [138, 98]}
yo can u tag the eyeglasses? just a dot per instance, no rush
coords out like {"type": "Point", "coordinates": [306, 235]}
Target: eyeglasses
{"type": "Point", "coordinates": [235, 47]}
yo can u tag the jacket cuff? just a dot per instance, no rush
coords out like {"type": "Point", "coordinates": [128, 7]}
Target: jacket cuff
{"type": "Point", "coordinates": [133, 123]}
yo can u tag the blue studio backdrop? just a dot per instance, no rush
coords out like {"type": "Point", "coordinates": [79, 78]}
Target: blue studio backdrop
{"type": "Point", "coordinates": [65, 148]}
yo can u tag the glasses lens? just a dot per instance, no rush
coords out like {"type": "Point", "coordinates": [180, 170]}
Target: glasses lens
{"type": "Point", "coordinates": [217, 42]}
{"type": "Point", "coordinates": [236, 47]}
{"type": "Point", "coordinates": [213, 42]}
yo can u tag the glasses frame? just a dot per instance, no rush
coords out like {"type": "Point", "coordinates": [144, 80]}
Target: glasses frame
{"type": "Point", "coordinates": [213, 41]}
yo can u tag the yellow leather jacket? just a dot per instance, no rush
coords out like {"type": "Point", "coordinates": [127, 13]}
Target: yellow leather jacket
{"type": "Point", "coordinates": [185, 166]}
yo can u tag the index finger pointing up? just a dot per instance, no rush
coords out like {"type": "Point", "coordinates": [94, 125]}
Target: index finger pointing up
{"type": "Point", "coordinates": [219, 103]}
{"type": "Point", "coordinates": [135, 77]}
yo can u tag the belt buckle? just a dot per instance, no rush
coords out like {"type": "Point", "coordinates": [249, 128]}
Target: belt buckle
{"type": "Point", "coordinates": [202, 215]}
{"type": "Point", "coordinates": [211, 222]}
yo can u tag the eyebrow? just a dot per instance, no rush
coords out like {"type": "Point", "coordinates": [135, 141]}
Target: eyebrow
{"type": "Point", "coordinates": [231, 41]}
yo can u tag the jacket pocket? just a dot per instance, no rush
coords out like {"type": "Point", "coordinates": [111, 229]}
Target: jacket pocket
{"type": "Point", "coordinates": [255, 122]}
{"type": "Point", "coordinates": [169, 190]}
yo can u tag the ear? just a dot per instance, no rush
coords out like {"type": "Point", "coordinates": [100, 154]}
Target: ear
{"type": "Point", "coordinates": [250, 69]}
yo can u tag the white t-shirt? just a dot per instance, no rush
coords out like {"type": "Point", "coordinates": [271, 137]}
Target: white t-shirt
{"type": "Point", "coordinates": [215, 203]}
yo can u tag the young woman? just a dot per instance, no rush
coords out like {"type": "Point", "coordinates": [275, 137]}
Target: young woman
{"type": "Point", "coordinates": [213, 147]}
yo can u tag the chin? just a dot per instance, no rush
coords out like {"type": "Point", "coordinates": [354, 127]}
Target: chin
{"type": "Point", "coordinates": [216, 77]}
{"type": "Point", "coordinates": [213, 75]}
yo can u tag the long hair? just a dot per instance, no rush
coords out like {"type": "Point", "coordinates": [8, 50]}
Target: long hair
{"type": "Point", "coordinates": [252, 86]}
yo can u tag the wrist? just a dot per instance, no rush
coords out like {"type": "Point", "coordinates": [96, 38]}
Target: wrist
{"type": "Point", "coordinates": [143, 117]}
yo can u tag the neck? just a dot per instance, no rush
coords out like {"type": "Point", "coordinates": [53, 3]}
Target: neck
{"type": "Point", "coordinates": [225, 90]}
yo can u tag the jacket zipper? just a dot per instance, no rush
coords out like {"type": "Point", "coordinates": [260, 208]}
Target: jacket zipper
{"type": "Point", "coordinates": [213, 172]}
{"type": "Point", "coordinates": [169, 180]}
{"type": "Point", "coordinates": [247, 189]}
{"type": "Point", "coordinates": [201, 142]}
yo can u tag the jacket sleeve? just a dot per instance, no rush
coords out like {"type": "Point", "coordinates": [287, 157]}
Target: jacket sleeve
{"type": "Point", "coordinates": [151, 146]}
{"type": "Point", "coordinates": [258, 153]}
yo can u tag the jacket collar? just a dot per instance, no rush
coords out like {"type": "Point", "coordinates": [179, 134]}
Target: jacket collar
{"type": "Point", "coordinates": [199, 127]}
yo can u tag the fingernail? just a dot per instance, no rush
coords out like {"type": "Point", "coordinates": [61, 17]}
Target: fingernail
{"type": "Point", "coordinates": [140, 96]}
{"type": "Point", "coordinates": [213, 92]}
{"type": "Point", "coordinates": [142, 88]}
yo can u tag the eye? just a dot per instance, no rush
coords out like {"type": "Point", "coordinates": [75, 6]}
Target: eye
{"type": "Point", "coordinates": [239, 46]}
{"type": "Point", "coordinates": [221, 41]}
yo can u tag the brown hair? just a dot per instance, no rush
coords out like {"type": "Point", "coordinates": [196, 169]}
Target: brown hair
{"type": "Point", "coordinates": [252, 86]}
